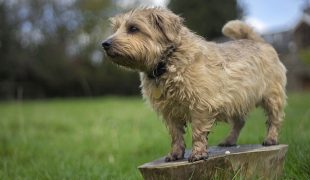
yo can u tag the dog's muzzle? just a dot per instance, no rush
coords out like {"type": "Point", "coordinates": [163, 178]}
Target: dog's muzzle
{"type": "Point", "coordinates": [107, 44]}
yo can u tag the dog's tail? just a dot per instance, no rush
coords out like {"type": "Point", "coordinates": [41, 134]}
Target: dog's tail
{"type": "Point", "coordinates": [239, 30]}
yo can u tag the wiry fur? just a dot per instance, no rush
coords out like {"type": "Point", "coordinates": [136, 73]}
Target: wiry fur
{"type": "Point", "coordinates": [205, 81]}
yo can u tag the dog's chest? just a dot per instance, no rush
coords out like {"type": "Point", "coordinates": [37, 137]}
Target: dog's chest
{"type": "Point", "coordinates": [166, 89]}
{"type": "Point", "coordinates": [166, 94]}
{"type": "Point", "coordinates": [171, 107]}
{"type": "Point", "coordinates": [167, 97]}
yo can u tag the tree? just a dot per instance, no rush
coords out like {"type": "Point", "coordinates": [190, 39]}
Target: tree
{"type": "Point", "coordinates": [52, 49]}
{"type": "Point", "coordinates": [206, 17]}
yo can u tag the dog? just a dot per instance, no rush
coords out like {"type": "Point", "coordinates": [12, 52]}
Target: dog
{"type": "Point", "coordinates": [189, 80]}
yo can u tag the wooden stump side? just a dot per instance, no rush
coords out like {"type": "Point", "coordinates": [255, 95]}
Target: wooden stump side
{"type": "Point", "coordinates": [246, 161]}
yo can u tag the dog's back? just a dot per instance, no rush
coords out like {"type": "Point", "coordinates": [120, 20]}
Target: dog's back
{"type": "Point", "coordinates": [249, 48]}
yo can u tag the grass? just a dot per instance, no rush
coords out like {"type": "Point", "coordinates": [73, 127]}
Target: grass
{"type": "Point", "coordinates": [304, 55]}
{"type": "Point", "coordinates": [107, 138]}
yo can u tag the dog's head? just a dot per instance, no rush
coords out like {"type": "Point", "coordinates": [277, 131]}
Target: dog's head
{"type": "Point", "coordinates": [140, 37]}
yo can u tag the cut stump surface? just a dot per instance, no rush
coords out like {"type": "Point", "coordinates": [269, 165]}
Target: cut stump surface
{"type": "Point", "coordinates": [245, 161]}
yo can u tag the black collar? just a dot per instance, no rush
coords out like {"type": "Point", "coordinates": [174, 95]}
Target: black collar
{"type": "Point", "coordinates": [160, 67]}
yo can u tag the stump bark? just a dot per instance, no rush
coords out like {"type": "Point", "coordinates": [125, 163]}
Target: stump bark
{"type": "Point", "coordinates": [244, 161]}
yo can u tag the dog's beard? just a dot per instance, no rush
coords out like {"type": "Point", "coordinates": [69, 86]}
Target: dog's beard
{"type": "Point", "coordinates": [121, 60]}
{"type": "Point", "coordinates": [111, 53]}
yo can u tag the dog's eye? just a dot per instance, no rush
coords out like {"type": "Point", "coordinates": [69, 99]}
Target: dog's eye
{"type": "Point", "coordinates": [133, 29]}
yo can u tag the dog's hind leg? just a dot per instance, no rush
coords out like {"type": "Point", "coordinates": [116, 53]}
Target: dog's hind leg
{"type": "Point", "coordinates": [232, 138]}
{"type": "Point", "coordinates": [274, 108]}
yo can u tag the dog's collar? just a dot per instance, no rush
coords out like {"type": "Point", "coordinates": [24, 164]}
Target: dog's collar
{"type": "Point", "coordinates": [160, 67]}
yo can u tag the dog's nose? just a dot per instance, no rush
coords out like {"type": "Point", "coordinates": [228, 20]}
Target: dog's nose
{"type": "Point", "coordinates": [107, 44]}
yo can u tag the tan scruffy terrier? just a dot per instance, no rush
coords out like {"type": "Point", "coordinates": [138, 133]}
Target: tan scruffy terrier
{"type": "Point", "coordinates": [187, 79]}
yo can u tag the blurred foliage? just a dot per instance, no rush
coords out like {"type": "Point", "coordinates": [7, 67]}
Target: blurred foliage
{"type": "Point", "coordinates": [304, 55]}
{"type": "Point", "coordinates": [52, 48]}
{"type": "Point", "coordinates": [206, 17]}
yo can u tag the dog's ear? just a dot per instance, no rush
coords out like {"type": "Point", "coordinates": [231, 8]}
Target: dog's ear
{"type": "Point", "coordinates": [167, 22]}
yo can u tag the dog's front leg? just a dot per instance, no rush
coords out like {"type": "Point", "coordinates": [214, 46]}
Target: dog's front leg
{"type": "Point", "coordinates": [176, 131]}
{"type": "Point", "coordinates": [201, 126]}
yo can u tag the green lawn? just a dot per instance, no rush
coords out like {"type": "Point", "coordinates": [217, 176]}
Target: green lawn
{"type": "Point", "coordinates": [107, 138]}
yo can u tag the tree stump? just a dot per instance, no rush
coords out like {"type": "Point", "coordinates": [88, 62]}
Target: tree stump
{"type": "Point", "coordinates": [244, 161]}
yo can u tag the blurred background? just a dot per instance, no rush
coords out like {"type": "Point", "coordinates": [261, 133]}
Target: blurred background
{"type": "Point", "coordinates": [51, 48]}
{"type": "Point", "coordinates": [50, 53]}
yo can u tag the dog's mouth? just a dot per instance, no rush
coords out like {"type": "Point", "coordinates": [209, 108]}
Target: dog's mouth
{"type": "Point", "coordinates": [119, 59]}
{"type": "Point", "coordinates": [112, 54]}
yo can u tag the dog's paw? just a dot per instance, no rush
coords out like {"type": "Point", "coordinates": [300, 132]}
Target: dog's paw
{"type": "Point", "coordinates": [174, 157]}
{"type": "Point", "coordinates": [198, 156]}
{"type": "Point", "coordinates": [270, 142]}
